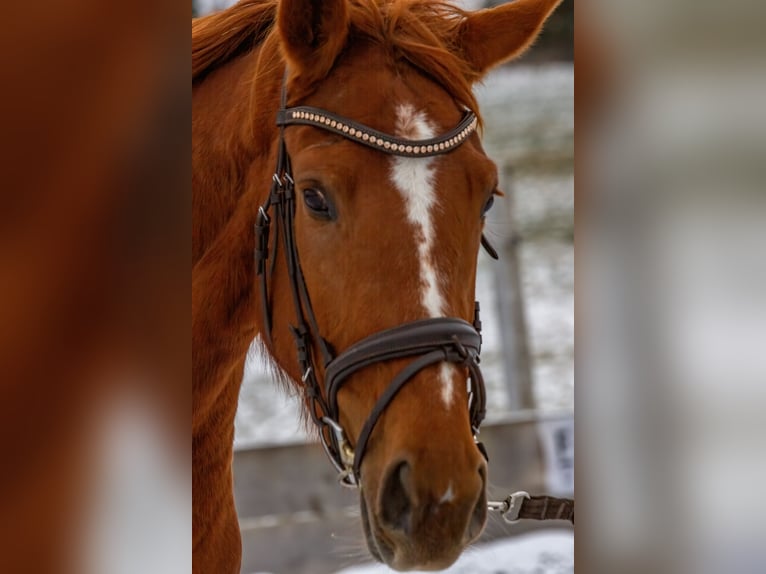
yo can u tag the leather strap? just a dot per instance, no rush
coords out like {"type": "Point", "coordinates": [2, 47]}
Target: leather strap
{"type": "Point", "coordinates": [491, 251]}
{"type": "Point", "coordinates": [432, 341]}
{"type": "Point", "coordinates": [547, 508]}
{"type": "Point", "coordinates": [402, 341]}
{"type": "Point", "coordinates": [365, 135]}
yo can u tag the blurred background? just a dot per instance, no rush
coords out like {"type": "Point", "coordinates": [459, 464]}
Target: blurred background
{"type": "Point", "coordinates": [286, 491]}
{"type": "Point", "coordinates": [671, 283]}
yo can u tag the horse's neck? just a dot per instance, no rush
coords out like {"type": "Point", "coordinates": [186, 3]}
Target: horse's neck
{"type": "Point", "coordinates": [230, 181]}
{"type": "Point", "coordinates": [215, 533]}
{"type": "Point", "coordinates": [223, 325]}
{"type": "Point", "coordinates": [222, 328]}
{"type": "Point", "coordinates": [226, 196]}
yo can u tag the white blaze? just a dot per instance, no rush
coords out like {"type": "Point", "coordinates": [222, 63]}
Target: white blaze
{"type": "Point", "coordinates": [414, 179]}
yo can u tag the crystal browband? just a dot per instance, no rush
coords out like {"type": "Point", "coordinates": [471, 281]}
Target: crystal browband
{"type": "Point", "coordinates": [305, 115]}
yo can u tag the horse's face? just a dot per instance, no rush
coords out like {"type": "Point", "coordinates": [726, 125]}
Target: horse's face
{"type": "Point", "coordinates": [385, 240]}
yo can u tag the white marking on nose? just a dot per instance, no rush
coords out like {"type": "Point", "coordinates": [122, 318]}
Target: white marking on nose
{"type": "Point", "coordinates": [414, 179]}
{"type": "Point", "coordinates": [448, 496]}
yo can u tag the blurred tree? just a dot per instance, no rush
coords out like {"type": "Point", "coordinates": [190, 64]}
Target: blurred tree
{"type": "Point", "coordinates": [195, 12]}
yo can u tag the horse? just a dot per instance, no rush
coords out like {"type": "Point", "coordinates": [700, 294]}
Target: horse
{"type": "Point", "coordinates": [339, 192]}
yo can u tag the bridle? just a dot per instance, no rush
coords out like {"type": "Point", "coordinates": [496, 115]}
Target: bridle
{"type": "Point", "coordinates": [427, 341]}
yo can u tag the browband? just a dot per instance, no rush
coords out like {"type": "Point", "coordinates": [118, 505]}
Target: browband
{"type": "Point", "coordinates": [359, 133]}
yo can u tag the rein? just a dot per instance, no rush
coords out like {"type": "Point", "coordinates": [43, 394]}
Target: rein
{"type": "Point", "coordinates": [428, 341]}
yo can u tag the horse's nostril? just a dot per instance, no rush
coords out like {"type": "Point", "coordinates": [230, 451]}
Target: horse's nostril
{"type": "Point", "coordinates": [396, 505]}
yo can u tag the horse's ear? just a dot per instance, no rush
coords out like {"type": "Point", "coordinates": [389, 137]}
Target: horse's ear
{"type": "Point", "coordinates": [495, 35]}
{"type": "Point", "coordinates": [312, 32]}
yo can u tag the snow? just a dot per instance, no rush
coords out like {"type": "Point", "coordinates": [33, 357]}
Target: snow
{"type": "Point", "coordinates": [541, 552]}
{"type": "Point", "coordinates": [549, 552]}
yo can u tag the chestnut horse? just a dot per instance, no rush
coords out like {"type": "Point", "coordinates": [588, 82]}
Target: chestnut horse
{"type": "Point", "coordinates": [375, 239]}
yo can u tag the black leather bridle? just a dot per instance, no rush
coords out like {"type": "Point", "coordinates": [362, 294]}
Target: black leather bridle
{"type": "Point", "coordinates": [428, 341]}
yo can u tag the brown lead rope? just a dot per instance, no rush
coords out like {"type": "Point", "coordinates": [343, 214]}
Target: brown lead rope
{"type": "Point", "coordinates": [521, 506]}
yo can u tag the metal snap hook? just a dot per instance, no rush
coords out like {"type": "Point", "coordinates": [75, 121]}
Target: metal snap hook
{"type": "Point", "coordinates": [514, 502]}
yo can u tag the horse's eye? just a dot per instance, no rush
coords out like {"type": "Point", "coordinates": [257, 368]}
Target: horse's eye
{"type": "Point", "coordinates": [317, 203]}
{"type": "Point", "coordinates": [488, 205]}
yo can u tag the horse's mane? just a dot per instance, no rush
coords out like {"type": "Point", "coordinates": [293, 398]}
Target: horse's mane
{"type": "Point", "coordinates": [221, 36]}
{"type": "Point", "coordinates": [421, 32]}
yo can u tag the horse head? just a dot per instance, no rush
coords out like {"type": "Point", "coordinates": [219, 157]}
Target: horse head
{"type": "Point", "coordinates": [384, 239]}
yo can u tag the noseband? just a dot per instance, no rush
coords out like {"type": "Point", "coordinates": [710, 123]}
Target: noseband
{"type": "Point", "coordinates": [427, 341]}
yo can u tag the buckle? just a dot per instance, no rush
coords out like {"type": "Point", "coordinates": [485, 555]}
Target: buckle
{"type": "Point", "coordinates": [265, 216]}
{"type": "Point", "coordinates": [343, 458]}
{"type": "Point", "coordinates": [346, 453]}
{"type": "Point", "coordinates": [514, 502]}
